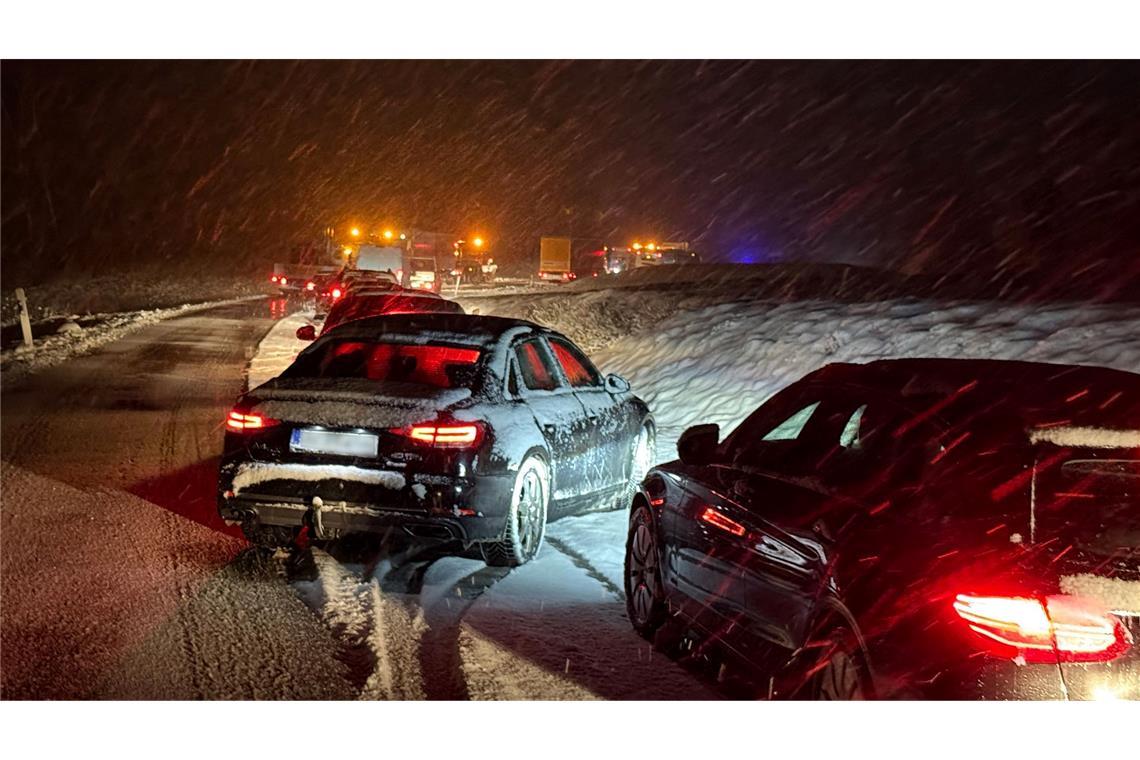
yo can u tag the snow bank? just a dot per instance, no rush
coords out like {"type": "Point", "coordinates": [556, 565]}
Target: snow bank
{"type": "Point", "coordinates": [278, 349]}
{"type": "Point", "coordinates": [124, 293]}
{"type": "Point", "coordinates": [57, 348]}
{"type": "Point", "coordinates": [718, 363]}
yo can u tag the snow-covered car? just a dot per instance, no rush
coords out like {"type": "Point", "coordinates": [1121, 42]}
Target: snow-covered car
{"type": "Point", "coordinates": [461, 429]}
{"type": "Point", "coordinates": [361, 305]}
{"type": "Point", "coordinates": [912, 528]}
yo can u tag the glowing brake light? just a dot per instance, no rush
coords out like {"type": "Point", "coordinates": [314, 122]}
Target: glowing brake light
{"type": "Point", "coordinates": [284, 281]}
{"type": "Point", "coordinates": [242, 422]}
{"type": "Point", "coordinates": [310, 285]}
{"type": "Point", "coordinates": [453, 435]}
{"type": "Point", "coordinates": [1061, 627]}
{"type": "Point", "coordinates": [273, 278]}
{"type": "Point", "coordinates": [336, 293]}
{"type": "Point", "coordinates": [719, 520]}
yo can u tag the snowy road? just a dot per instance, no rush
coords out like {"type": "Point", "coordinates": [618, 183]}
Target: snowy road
{"type": "Point", "coordinates": [119, 581]}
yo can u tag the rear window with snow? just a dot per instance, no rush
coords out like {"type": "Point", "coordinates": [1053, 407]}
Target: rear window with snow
{"type": "Point", "coordinates": [438, 366]}
{"type": "Point", "coordinates": [361, 307]}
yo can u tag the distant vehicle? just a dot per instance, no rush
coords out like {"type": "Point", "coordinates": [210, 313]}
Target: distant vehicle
{"type": "Point", "coordinates": [467, 431]}
{"type": "Point", "coordinates": [375, 258]}
{"type": "Point", "coordinates": [376, 303]}
{"type": "Point", "coordinates": [670, 256]}
{"type": "Point", "coordinates": [915, 528]}
{"type": "Point", "coordinates": [421, 274]}
{"type": "Point", "coordinates": [490, 270]}
{"type": "Point", "coordinates": [590, 265]}
{"type": "Point", "coordinates": [349, 279]}
{"type": "Point", "coordinates": [286, 283]}
{"type": "Point", "coordinates": [468, 270]}
{"type": "Point", "coordinates": [618, 260]}
{"type": "Point", "coordinates": [316, 285]}
{"type": "Point", "coordinates": [554, 261]}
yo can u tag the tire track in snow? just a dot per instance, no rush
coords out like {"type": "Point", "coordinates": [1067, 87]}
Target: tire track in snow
{"type": "Point", "coordinates": [583, 563]}
{"type": "Point", "coordinates": [439, 655]}
{"type": "Point", "coordinates": [378, 634]}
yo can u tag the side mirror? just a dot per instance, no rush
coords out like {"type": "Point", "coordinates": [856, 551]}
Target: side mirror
{"type": "Point", "coordinates": [617, 384]}
{"type": "Point", "coordinates": [306, 332]}
{"type": "Point", "coordinates": [697, 445]}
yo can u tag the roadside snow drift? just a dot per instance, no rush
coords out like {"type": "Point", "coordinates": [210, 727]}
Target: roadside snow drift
{"type": "Point", "coordinates": [718, 363]}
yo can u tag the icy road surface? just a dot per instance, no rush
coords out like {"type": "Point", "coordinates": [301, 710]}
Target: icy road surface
{"type": "Point", "coordinates": [119, 581]}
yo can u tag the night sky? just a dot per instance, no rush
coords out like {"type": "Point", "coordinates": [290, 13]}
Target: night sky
{"type": "Point", "coordinates": [1005, 169]}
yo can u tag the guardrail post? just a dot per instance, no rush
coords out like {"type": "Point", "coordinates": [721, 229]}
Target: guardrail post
{"type": "Point", "coordinates": [25, 322]}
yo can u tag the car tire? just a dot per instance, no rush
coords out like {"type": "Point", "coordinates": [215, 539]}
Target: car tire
{"type": "Point", "coordinates": [526, 519]}
{"type": "Point", "coordinates": [644, 592]}
{"type": "Point", "coordinates": [840, 673]}
{"type": "Point", "coordinates": [640, 460]}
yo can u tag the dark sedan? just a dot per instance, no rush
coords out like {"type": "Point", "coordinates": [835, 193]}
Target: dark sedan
{"type": "Point", "coordinates": [904, 529]}
{"type": "Point", "coordinates": [377, 303]}
{"type": "Point", "coordinates": [467, 430]}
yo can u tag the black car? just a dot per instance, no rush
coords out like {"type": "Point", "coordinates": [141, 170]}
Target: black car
{"type": "Point", "coordinates": [367, 303]}
{"type": "Point", "coordinates": [461, 429]}
{"type": "Point", "coordinates": [904, 529]}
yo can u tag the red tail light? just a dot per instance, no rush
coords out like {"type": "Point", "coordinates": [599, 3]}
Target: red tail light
{"type": "Point", "coordinates": [242, 422]}
{"type": "Point", "coordinates": [1062, 627]}
{"type": "Point", "coordinates": [460, 435]}
{"type": "Point", "coordinates": [719, 520]}
{"type": "Point", "coordinates": [310, 285]}
{"type": "Point", "coordinates": [284, 281]}
{"type": "Point", "coordinates": [273, 278]}
{"type": "Point", "coordinates": [336, 293]}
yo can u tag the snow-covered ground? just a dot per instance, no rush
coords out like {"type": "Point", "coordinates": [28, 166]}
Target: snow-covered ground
{"type": "Point", "coordinates": [74, 340]}
{"type": "Point", "coordinates": [707, 353]}
{"type": "Point", "coordinates": [157, 600]}
{"type": "Point", "coordinates": [278, 349]}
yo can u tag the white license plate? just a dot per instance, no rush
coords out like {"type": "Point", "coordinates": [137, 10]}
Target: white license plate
{"type": "Point", "coordinates": [333, 442]}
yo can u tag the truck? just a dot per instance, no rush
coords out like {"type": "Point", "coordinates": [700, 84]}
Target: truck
{"type": "Point", "coordinates": [381, 258]}
{"type": "Point", "coordinates": [554, 260]}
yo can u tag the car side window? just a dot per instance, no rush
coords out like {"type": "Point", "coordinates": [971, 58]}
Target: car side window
{"type": "Point", "coordinates": [579, 370]}
{"type": "Point", "coordinates": [850, 438]}
{"type": "Point", "coordinates": [535, 366]}
{"type": "Point", "coordinates": [790, 429]}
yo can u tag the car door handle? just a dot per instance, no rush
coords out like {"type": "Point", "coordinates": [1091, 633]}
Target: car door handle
{"type": "Point", "coordinates": [549, 428]}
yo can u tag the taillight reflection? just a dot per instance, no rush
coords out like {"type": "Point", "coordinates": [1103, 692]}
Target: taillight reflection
{"type": "Point", "coordinates": [1061, 627]}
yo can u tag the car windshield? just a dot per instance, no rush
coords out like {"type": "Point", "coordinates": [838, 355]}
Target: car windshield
{"type": "Point", "coordinates": [433, 365]}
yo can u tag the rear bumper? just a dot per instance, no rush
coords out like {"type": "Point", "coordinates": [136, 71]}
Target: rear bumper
{"type": "Point", "coordinates": [448, 510]}
{"type": "Point", "coordinates": [336, 520]}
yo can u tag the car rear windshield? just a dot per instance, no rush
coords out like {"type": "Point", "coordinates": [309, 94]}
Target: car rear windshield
{"type": "Point", "coordinates": [422, 265]}
{"type": "Point", "coordinates": [437, 366]}
{"type": "Point", "coordinates": [374, 306]}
